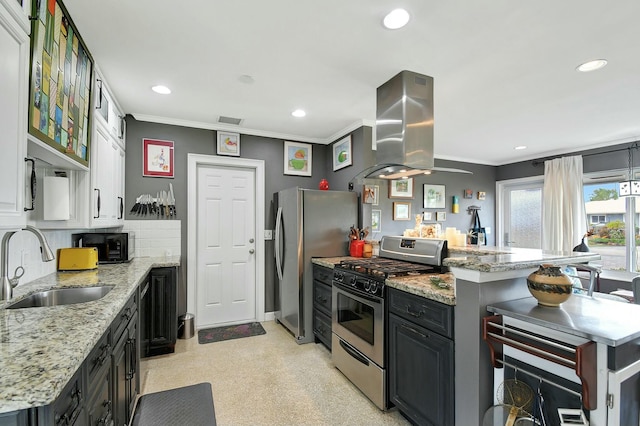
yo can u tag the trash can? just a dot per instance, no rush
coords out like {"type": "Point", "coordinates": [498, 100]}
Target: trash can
{"type": "Point", "coordinates": [186, 326]}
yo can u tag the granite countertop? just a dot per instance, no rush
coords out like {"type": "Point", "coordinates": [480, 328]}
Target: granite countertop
{"type": "Point", "coordinates": [500, 259]}
{"type": "Point", "coordinates": [42, 348]}
{"type": "Point", "coordinates": [438, 287]}
{"type": "Point", "coordinates": [600, 320]}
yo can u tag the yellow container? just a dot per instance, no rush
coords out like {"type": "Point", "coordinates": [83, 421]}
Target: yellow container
{"type": "Point", "coordinates": [77, 259]}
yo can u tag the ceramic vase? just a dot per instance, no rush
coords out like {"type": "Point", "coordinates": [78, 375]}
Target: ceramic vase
{"type": "Point", "coordinates": [549, 285]}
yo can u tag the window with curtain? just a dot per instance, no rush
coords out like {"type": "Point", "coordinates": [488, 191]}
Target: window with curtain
{"type": "Point", "coordinates": [612, 221]}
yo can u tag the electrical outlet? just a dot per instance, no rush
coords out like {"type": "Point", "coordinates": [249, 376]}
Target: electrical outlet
{"type": "Point", "coordinates": [268, 234]}
{"type": "Point", "coordinates": [487, 230]}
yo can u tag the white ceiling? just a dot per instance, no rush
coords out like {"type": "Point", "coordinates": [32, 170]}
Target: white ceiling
{"type": "Point", "coordinates": [504, 70]}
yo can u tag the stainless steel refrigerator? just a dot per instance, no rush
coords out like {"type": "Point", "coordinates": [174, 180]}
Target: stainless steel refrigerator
{"type": "Point", "coordinates": [309, 223]}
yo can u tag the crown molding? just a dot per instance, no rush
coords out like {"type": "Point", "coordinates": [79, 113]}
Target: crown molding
{"type": "Point", "coordinates": [255, 132]}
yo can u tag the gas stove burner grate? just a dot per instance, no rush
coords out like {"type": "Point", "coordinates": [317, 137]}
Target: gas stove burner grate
{"type": "Point", "coordinates": [385, 268]}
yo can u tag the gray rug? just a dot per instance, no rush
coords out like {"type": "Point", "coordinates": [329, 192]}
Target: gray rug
{"type": "Point", "coordinates": [217, 334]}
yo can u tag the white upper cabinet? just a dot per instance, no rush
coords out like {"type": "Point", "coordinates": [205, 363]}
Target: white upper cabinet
{"type": "Point", "coordinates": [14, 59]}
{"type": "Point", "coordinates": [107, 162]}
{"type": "Point", "coordinates": [108, 112]}
{"type": "Point", "coordinates": [19, 10]}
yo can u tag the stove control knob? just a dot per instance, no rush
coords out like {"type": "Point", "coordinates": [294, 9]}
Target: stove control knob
{"type": "Point", "coordinates": [353, 281]}
{"type": "Point", "coordinates": [373, 288]}
{"type": "Point", "coordinates": [338, 276]}
{"type": "Point", "coordinates": [367, 285]}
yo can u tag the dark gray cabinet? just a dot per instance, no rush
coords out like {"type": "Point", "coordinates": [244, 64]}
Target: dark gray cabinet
{"type": "Point", "coordinates": [421, 358]}
{"type": "Point", "coordinates": [322, 277]}
{"type": "Point", "coordinates": [159, 312]}
{"type": "Point", "coordinates": [104, 389]}
{"type": "Point", "coordinates": [124, 362]}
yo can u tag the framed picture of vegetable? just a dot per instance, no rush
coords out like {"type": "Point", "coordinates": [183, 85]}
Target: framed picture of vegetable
{"type": "Point", "coordinates": [401, 188]}
{"type": "Point", "coordinates": [60, 86]}
{"type": "Point", "coordinates": [342, 153]}
{"type": "Point", "coordinates": [297, 158]}
{"type": "Point", "coordinates": [434, 197]}
{"type": "Point", "coordinates": [228, 143]}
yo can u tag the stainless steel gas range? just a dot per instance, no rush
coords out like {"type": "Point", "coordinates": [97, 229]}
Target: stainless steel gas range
{"type": "Point", "coordinates": [358, 308]}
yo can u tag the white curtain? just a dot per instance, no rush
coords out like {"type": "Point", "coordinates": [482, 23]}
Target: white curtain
{"type": "Point", "coordinates": [564, 220]}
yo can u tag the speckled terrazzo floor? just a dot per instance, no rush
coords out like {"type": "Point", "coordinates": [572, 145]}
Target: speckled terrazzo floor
{"type": "Point", "coordinates": [266, 380]}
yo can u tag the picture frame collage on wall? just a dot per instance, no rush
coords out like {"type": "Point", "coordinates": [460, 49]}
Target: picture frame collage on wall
{"type": "Point", "coordinates": [434, 197]}
{"type": "Point", "coordinates": [401, 189]}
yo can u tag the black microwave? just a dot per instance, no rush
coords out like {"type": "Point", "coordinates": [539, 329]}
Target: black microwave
{"type": "Point", "coordinates": [113, 247]}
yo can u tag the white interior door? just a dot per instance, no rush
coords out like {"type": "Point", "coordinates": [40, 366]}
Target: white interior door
{"type": "Point", "coordinates": [226, 276]}
{"type": "Point", "coordinates": [225, 281]}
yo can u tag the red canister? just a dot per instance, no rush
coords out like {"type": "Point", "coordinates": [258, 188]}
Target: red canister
{"type": "Point", "coordinates": [356, 247]}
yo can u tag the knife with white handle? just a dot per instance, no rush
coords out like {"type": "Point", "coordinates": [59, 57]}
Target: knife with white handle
{"type": "Point", "coordinates": [172, 201]}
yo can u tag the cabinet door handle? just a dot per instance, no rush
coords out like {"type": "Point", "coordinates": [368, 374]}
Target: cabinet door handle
{"type": "Point", "coordinates": [98, 204]}
{"type": "Point", "coordinates": [106, 351]}
{"type": "Point", "coordinates": [321, 299]}
{"type": "Point", "coordinates": [121, 207]}
{"type": "Point", "coordinates": [106, 419]}
{"type": "Point", "coordinates": [33, 184]}
{"type": "Point", "coordinates": [99, 106]}
{"type": "Point", "coordinates": [123, 123]}
{"type": "Point", "coordinates": [413, 330]}
{"type": "Point", "coordinates": [416, 314]}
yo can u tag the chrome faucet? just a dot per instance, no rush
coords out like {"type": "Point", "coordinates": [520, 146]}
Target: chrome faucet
{"type": "Point", "coordinates": [8, 284]}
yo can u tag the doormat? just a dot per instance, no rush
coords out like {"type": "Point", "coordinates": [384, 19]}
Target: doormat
{"type": "Point", "coordinates": [218, 334]}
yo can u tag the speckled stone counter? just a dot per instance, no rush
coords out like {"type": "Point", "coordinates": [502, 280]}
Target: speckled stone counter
{"type": "Point", "coordinates": [438, 287]}
{"type": "Point", "coordinates": [330, 262]}
{"type": "Point", "coordinates": [499, 259]}
{"type": "Point", "coordinates": [42, 348]}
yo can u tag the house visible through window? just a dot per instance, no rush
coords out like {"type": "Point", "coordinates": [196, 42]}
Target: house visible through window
{"type": "Point", "coordinates": [598, 219]}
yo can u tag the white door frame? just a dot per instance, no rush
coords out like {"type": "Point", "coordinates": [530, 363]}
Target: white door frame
{"type": "Point", "coordinates": [194, 161]}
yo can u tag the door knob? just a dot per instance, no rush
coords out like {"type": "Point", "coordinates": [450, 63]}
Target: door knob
{"type": "Point", "coordinates": [251, 240]}
{"type": "Point", "coordinates": [251, 251]}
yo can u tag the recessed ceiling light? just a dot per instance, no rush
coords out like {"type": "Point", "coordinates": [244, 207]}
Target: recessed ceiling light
{"type": "Point", "coordinates": [520, 147]}
{"type": "Point", "coordinates": [592, 65]}
{"type": "Point", "coordinates": [298, 113]}
{"type": "Point", "coordinates": [397, 18]}
{"type": "Point", "coordinates": [246, 79]}
{"type": "Point", "coordinates": [163, 90]}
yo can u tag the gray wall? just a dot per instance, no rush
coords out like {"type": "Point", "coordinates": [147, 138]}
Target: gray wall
{"type": "Point", "coordinates": [189, 140]}
{"type": "Point", "coordinates": [614, 157]}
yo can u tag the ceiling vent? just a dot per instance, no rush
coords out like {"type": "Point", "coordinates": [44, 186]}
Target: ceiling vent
{"type": "Point", "coordinates": [229, 120]}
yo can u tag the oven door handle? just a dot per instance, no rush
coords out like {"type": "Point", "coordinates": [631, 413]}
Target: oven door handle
{"type": "Point", "coordinates": [360, 297]}
{"type": "Point", "coordinates": [354, 353]}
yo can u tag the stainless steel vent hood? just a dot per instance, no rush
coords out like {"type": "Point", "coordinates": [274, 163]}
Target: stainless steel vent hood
{"type": "Point", "coordinates": [404, 128]}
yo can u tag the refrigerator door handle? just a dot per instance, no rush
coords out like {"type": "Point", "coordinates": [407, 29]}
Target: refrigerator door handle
{"type": "Point", "coordinates": [278, 239]}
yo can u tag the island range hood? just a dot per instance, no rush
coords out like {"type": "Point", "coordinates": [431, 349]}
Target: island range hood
{"type": "Point", "coordinates": [404, 128]}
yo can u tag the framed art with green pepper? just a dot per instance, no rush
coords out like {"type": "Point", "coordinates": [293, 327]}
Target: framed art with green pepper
{"type": "Point", "coordinates": [61, 76]}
